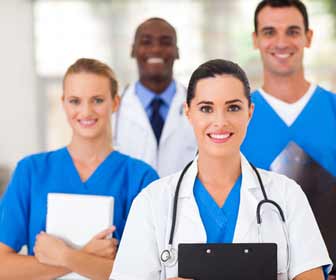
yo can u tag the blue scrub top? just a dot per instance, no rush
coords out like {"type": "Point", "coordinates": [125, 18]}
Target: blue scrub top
{"type": "Point", "coordinates": [219, 222]}
{"type": "Point", "coordinates": [23, 207]}
{"type": "Point", "coordinates": [314, 131]}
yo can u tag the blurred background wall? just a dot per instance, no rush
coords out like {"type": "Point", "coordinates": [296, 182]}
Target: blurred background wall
{"type": "Point", "coordinates": [41, 38]}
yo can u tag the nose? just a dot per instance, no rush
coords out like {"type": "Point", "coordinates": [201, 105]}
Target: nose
{"type": "Point", "coordinates": [156, 47]}
{"type": "Point", "coordinates": [281, 41]}
{"type": "Point", "coordinates": [221, 119]}
{"type": "Point", "coordinates": [86, 109]}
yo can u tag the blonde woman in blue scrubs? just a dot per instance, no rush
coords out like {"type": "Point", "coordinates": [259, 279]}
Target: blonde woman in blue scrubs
{"type": "Point", "coordinates": [87, 165]}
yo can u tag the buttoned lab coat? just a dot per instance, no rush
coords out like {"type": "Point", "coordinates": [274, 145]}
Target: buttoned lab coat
{"type": "Point", "coordinates": [134, 136]}
{"type": "Point", "coordinates": [148, 226]}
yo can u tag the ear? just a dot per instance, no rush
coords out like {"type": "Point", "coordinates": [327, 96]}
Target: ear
{"type": "Point", "coordinates": [186, 110]}
{"type": "Point", "coordinates": [255, 40]}
{"type": "Point", "coordinates": [177, 53]}
{"type": "Point", "coordinates": [309, 36]}
{"type": "Point", "coordinates": [62, 100]}
{"type": "Point", "coordinates": [115, 103]}
{"type": "Point", "coordinates": [250, 111]}
{"type": "Point", "coordinates": [132, 51]}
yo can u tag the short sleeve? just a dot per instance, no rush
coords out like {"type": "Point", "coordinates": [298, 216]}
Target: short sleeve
{"type": "Point", "coordinates": [137, 256]}
{"type": "Point", "coordinates": [149, 176]}
{"type": "Point", "coordinates": [308, 249]}
{"type": "Point", "coordinates": [14, 209]}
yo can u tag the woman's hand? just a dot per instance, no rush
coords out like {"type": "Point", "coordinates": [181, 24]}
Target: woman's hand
{"type": "Point", "coordinates": [100, 246]}
{"type": "Point", "coordinates": [50, 250]}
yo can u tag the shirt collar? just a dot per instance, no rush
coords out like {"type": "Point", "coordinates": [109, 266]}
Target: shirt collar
{"type": "Point", "coordinates": [146, 95]}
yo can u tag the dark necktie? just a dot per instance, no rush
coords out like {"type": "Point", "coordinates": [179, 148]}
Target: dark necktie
{"type": "Point", "coordinates": [156, 119]}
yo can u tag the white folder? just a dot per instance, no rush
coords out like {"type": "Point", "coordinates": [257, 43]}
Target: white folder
{"type": "Point", "coordinates": [78, 218]}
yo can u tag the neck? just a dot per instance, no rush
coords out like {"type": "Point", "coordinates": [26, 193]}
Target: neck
{"type": "Point", "coordinates": [90, 150]}
{"type": "Point", "coordinates": [286, 88]}
{"type": "Point", "coordinates": [219, 172]}
{"type": "Point", "coordinates": [156, 86]}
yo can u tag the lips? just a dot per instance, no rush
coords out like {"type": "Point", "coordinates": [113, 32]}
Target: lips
{"type": "Point", "coordinates": [220, 137]}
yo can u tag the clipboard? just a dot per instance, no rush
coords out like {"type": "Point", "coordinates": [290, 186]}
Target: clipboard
{"type": "Point", "coordinates": [319, 186]}
{"type": "Point", "coordinates": [229, 261]}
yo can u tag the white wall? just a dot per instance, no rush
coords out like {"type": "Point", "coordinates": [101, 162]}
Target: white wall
{"type": "Point", "coordinates": [19, 133]}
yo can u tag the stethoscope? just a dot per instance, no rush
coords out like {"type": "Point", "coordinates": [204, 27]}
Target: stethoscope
{"type": "Point", "coordinates": [169, 255]}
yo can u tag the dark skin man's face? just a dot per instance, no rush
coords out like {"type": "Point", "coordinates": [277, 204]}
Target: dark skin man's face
{"type": "Point", "coordinates": [155, 50]}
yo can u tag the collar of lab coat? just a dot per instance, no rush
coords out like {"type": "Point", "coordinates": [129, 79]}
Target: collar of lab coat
{"type": "Point", "coordinates": [248, 201]}
{"type": "Point", "coordinates": [135, 112]}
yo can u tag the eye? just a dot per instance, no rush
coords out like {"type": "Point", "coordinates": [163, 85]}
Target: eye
{"type": "Point", "coordinates": [74, 101]}
{"type": "Point", "coordinates": [293, 32]}
{"type": "Point", "coordinates": [234, 108]}
{"type": "Point", "coordinates": [98, 100]}
{"type": "Point", "coordinates": [268, 32]}
{"type": "Point", "coordinates": [166, 41]}
{"type": "Point", "coordinates": [206, 109]}
{"type": "Point", "coordinates": [145, 41]}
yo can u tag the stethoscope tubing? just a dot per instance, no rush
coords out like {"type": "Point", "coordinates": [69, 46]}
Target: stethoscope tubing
{"type": "Point", "coordinates": [168, 256]}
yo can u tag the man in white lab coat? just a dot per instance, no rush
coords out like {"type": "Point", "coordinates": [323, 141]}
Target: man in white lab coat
{"type": "Point", "coordinates": [150, 124]}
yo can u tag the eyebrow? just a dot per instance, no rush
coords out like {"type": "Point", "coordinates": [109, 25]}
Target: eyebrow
{"type": "Point", "coordinates": [227, 102]}
{"type": "Point", "coordinates": [269, 28]}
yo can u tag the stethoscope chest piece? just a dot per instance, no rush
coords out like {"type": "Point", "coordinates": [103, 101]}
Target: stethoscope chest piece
{"type": "Point", "coordinates": [168, 257]}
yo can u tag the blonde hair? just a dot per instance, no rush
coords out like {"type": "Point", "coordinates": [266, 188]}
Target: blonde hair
{"type": "Point", "coordinates": [94, 66]}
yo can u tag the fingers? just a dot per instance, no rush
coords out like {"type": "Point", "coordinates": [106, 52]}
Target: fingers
{"type": "Point", "coordinates": [105, 233]}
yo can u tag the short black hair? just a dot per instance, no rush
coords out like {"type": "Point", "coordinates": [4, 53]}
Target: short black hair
{"type": "Point", "coordinates": [137, 31]}
{"type": "Point", "coordinates": [216, 67]}
{"type": "Point", "coordinates": [280, 4]}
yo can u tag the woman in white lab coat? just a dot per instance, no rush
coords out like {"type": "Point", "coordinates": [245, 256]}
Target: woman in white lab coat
{"type": "Point", "coordinates": [219, 193]}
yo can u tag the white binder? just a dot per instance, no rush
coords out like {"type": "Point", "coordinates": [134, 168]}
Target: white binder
{"type": "Point", "coordinates": [77, 218]}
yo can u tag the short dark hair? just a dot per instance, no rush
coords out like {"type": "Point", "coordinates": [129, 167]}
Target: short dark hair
{"type": "Point", "coordinates": [137, 31]}
{"type": "Point", "coordinates": [216, 67]}
{"type": "Point", "coordinates": [280, 4]}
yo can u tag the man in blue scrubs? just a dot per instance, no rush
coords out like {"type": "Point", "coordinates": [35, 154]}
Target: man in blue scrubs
{"type": "Point", "coordinates": [288, 108]}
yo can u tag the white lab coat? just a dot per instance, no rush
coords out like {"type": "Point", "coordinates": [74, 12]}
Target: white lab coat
{"type": "Point", "coordinates": [134, 136]}
{"type": "Point", "coordinates": [149, 223]}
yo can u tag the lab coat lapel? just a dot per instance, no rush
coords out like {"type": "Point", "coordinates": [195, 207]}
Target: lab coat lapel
{"type": "Point", "coordinates": [175, 113]}
{"type": "Point", "coordinates": [190, 228]}
{"type": "Point", "coordinates": [133, 109]}
{"type": "Point", "coordinates": [248, 203]}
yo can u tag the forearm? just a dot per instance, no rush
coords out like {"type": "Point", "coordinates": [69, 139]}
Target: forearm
{"type": "Point", "coordinates": [313, 274]}
{"type": "Point", "coordinates": [90, 266]}
{"type": "Point", "coordinates": [17, 267]}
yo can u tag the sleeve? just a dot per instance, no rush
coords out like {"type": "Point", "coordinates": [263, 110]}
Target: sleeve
{"type": "Point", "coordinates": [14, 210]}
{"type": "Point", "coordinates": [149, 176]}
{"type": "Point", "coordinates": [308, 250]}
{"type": "Point", "coordinates": [137, 256]}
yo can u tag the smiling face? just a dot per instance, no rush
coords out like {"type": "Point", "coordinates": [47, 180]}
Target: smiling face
{"type": "Point", "coordinates": [88, 104]}
{"type": "Point", "coordinates": [281, 39]}
{"type": "Point", "coordinates": [219, 114]}
{"type": "Point", "coordinates": [155, 51]}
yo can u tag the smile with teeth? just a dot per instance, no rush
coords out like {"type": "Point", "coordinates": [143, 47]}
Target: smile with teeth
{"type": "Point", "coordinates": [220, 136]}
{"type": "Point", "coordinates": [87, 123]}
{"type": "Point", "coordinates": [281, 55]}
{"type": "Point", "coordinates": [155, 60]}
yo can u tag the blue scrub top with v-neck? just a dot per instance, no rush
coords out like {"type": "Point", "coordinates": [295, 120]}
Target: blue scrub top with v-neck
{"type": "Point", "coordinates": [219, 222]}
{"type": "Point", "coordinates": [23, 207]}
